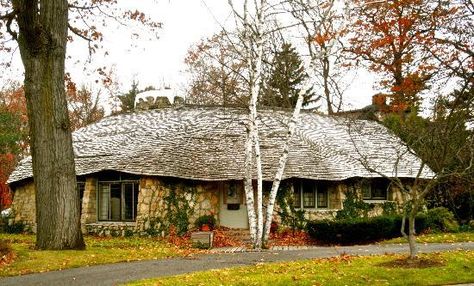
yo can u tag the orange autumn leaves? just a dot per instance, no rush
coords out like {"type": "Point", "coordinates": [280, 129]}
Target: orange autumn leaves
{"type": "Point", "coordinates": [397, 40]}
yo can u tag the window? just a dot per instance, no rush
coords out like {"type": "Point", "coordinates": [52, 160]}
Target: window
{"type": "Point", "coordinates": [309, 195]}
{"type": "Point", "coordinates": [375, 189]}
{"type": "Point", "coordinates": [117, 201]}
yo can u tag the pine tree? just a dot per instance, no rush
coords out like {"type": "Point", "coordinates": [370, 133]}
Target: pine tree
{"type": "Point", "coordinates": [127, 100]}
{"type": "Point", "coordinates": [286, 77]}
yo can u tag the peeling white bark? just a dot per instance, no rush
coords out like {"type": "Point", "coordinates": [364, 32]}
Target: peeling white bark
{"type": "Point", "coordinates": [281, 166]}
{"type": "Point", "coordinates": [253, 41]}
{"type": "Point", "coordinates": [248, 188]}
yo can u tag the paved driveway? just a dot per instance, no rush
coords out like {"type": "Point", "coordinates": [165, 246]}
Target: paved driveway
{"type": "Point", "coordinates": [113, 274]}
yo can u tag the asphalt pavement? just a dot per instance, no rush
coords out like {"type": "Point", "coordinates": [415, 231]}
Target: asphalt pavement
{"type": "Point", "coordinates": [118, 273]}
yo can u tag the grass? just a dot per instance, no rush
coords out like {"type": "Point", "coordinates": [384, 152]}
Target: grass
{"type": "Point", "coordinates": [447, 268]}
{"type": "Point", "coordinates": [437, 238]}
{"type": "Point", "coordinates": [99, 251]}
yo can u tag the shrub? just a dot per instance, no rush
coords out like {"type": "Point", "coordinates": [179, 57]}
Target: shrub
{"type": "Point", "coordinates": [294, 218]}
{"type": "Point", "coordinates": [15, 227]}
{"type": "Point", "coordinates": [353, 207]}
{"type": "Point", "coordinates": [441, 220]}
{"type": "Point", "coordinates": [361, 230]}
{"type": "Point", "coordinates": [128, 233]}
{"type": "Point", "coordinates": [205, 219]}
{"type": "Point", "coordinates": [389, 208]}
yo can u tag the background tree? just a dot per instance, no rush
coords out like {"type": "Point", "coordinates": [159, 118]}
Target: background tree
{"type": "Point", "coordinates": [84, 108]}
{"type": "Point", "coordinates": [127, 100]}
{"type": "Point", "coordinates": [442, 141]}
{"type": "Point", "coordinates": [13, 136]}
{"type": "Point", "coordinates": [395, 40]}
{"type": "Point", "coordinates": [323, 28]}
{"type": "Point", "coordinates": [285, 80]}
{"type": "Point", "coordinates": [215, 68]}
{"type": "Point", "coordinates": [40, 28]}
{"type": "Point", "coordinates": [455, 45]}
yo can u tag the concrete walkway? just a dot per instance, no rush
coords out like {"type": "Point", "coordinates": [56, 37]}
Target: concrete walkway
{"type": "Point", "coordinates": [113, 274]}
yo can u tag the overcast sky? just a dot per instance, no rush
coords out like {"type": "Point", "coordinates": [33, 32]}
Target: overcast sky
{"type": "Point", "coordinates": [160, 61]}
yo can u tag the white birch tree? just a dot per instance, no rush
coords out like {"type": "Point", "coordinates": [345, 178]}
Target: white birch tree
{"type": "Point", "coordinates": [250, 22]}
{"type": "Point", "coordinates": [253, 26]}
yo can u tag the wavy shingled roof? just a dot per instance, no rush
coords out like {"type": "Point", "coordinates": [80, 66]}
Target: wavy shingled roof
{"type": "Point", "coordinates": [204, 143]}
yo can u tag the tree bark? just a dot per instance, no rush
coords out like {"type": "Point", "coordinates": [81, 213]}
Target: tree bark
{"type": "Point", "coordinates": [412, 236]}
{"type": "Point", "coordinates": [248, 187]}
{"type": "Point", "coordinates": [42, 41]}
{"type": "Point", "coordinates": [281, 167]}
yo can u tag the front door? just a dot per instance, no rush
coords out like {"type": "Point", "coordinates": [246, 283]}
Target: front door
{"type": "Point", "coordinates": [233, 211]}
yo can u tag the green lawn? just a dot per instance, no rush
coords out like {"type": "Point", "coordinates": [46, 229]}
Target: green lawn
{"type": "Point", "coordinates": [99, 251]}
{"type": "Point", "coordinates": [453, 267]}
{"type": "Point", "coordinates": [437, 238]}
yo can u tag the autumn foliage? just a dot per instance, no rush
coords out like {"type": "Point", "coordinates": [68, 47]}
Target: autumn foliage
{"type": "Point", "coordinates": [396, 39]}
{"type": "Point", "coordinates": [13, 136]}
{"type": "Point", "coordinates": [84, 109]}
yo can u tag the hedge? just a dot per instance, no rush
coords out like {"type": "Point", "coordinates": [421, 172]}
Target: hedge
{"type": "Point", "coordinates": [360, 231]}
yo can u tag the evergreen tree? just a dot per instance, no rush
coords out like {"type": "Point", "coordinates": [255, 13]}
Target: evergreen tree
{"type": "Point", "coordinates": [127, 100]}
{"type": "Point", "coordinates": [285, 80]}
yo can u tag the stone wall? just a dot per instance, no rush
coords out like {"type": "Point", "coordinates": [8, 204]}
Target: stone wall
{"type": "Point", "coordinates": [202, 198]}
{"type": "Point", "coordinates": [24, 205]}
{"type": "Point", "coordinates": [89, 204]}
{"type": "Point", "coordinates": [111, 228]}
{"type": "Point", "coordinates": [207, 201]}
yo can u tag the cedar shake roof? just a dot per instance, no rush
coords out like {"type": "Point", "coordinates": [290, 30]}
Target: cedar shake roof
{"type": "Point", "coordinates": [205, 143]}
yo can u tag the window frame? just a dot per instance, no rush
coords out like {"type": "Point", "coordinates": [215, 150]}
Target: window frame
{"type": "Point", "coordinates": [368, 186]}
{"type": "Point", "coordinates": [316, 190]}
{"type": "Point", "coordinates": [135, 189]}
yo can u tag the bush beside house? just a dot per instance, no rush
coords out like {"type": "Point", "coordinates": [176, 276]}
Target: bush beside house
{"type": "Point", "coordinates": [349, 231]}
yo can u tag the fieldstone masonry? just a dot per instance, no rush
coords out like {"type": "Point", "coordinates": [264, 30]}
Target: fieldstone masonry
{"type": "Point", "coordinates": [89, 203]}
{"type": "Point", "coordinates": [202, 197]}
{"type": "Point", "coordinates": [24, 206]}
{"type": "Point", "coordinates": [204, 200]}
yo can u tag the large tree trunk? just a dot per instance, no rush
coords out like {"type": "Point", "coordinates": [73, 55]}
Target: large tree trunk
{"type": "Point", "coordinates": [42, 40]}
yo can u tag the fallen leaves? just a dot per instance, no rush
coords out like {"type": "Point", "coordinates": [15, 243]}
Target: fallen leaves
{"type": "Point", "coordinates": [289, 237]}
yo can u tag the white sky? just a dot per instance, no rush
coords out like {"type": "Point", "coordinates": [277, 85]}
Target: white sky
{"type": "Point", "coordinates": [161, 61]}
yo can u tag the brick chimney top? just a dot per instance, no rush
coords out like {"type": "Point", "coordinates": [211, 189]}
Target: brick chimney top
{"type": "Point", "coordinates": [379, 100]}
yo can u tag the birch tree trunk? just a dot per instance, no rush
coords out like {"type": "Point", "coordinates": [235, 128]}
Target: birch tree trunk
{"type": "Point", "coordinates": [256, 63]}
{"type": "Point", "coordinates": [42, 41]}
{"type": "Point", "coordinates": [258, 161]}
{"type": "Point", "coordinates": [253, 41]}
{"type": "Point", "coordinates": [281, 167]}
{"type": "Point", "coordinates": [248, 187]}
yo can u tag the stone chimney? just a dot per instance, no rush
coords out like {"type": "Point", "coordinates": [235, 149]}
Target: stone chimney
{"type": "Point", "coordinates": [379, 100]}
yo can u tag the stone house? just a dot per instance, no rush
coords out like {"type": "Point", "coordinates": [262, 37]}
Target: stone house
{"type": "Point", "coordinates": [145, 171]}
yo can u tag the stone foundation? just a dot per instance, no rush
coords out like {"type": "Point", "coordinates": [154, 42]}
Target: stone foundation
{"type": "Point", "coordinates": [111, 228]}
{"type": "Point", "coordinates": [24, 206]}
